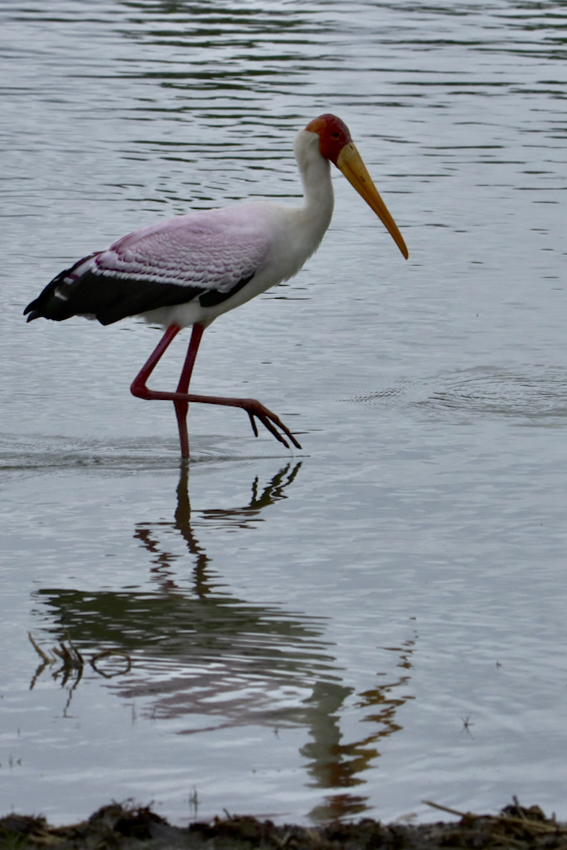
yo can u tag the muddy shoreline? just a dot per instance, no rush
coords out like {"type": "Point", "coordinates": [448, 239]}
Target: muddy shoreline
{"type": "Point", "coordinates": [131, 827]}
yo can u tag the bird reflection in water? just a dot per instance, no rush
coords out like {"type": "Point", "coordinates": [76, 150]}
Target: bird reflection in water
{"type": "Point", "coordinates": [239, 517]}
{"type": "Point", "coordinates": [204, 657]}
{"type": "Point", "coordinates": [336, 765]}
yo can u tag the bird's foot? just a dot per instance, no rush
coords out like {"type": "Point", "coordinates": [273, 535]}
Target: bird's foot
{"type": "Point", "coordinates": [268, 419]}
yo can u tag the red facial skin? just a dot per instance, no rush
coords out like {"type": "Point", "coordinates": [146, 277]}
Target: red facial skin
{"type": "Point", "coordinates": [333, 135]}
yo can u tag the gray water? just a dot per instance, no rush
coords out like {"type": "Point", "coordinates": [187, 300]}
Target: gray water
{"type": "Point", "coordinates": [380, 618]}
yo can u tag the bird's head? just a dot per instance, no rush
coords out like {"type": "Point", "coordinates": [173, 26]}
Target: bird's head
{"type": "Point", "coordinates": [336, 145]}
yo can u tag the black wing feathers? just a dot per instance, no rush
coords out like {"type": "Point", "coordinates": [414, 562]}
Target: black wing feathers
{"type": "Point", "coordinates": [112, 298]}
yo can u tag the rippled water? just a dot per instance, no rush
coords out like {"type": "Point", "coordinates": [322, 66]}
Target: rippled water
{"type": "Point", "coordinates": [381, 618]}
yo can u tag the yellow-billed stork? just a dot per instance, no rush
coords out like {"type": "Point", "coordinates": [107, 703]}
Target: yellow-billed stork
{"type": "Point", "coordinates": [193, 268]}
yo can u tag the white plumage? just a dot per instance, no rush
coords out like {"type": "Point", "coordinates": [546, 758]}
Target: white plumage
{"type": "Point", "coordinates": [191, 269]}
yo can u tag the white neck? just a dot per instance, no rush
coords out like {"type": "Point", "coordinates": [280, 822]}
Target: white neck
{"type": "Point", "coordinates": [315, 174]}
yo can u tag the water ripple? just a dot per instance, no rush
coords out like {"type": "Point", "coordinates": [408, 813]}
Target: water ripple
{"type": "Point", "coordinates": [535, 396]}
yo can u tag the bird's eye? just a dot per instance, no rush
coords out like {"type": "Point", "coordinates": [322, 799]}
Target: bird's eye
{"type": "Point", "coordinates": [335, 135]}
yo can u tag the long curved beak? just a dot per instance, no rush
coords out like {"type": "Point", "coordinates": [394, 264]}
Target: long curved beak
{"type": "Point", "coordinates": [350, 163]}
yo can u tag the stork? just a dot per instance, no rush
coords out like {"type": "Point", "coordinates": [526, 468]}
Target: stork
{"type": "Point", "coordinates": [189, 270]}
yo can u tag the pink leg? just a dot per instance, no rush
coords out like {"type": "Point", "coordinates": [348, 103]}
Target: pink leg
{"type": "Point", "coordinates": [139, 388]}
{"type": "Point", "coordinates": [181, 398]}
{"type": "Point", "coordinates": [182, 407]}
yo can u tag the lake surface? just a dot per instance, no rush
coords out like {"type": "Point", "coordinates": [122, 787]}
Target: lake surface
{"type": "Point", "coordinates": [380, 618]}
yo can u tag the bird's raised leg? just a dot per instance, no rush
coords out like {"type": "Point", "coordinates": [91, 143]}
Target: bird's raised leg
{"type": "Point", "coordinates": [181, 398]}
{"type": "Point", "coordinates": [140, 390]}
{"type": "Point", "coordinates": [254, 409]}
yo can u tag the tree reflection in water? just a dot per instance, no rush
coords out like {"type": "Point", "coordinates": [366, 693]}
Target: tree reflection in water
{"type": "Point", "coordinates": [204, 657]}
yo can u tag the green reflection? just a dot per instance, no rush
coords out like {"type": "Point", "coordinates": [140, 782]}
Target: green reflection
{"type": "Point", "coordinates": [203, 659]}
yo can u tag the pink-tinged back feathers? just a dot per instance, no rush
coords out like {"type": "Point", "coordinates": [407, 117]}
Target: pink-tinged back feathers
{"type": "Point", "coordinates": [214, 249]}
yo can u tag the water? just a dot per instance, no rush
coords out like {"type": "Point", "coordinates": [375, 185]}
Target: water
{"type": "Point", "coordinates": [378, 619]}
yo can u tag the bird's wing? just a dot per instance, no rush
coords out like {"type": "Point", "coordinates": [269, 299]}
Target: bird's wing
{"type": "Point", "coordinates": [207, 256]}
{"type": "Point", "coordinates": [211, 250]}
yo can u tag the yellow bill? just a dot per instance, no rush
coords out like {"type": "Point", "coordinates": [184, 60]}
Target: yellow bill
{"type": "Point", "coordinates": [350, 163]}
